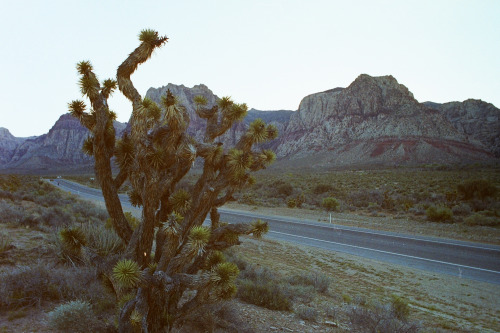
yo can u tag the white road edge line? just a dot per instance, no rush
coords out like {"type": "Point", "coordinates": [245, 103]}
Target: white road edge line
{"type": "Point", "coordinates": [387, 252]}
{"type": "Point", "coordinates": [362, 231]}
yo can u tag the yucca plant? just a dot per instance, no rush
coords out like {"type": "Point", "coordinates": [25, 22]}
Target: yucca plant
{"type": "Point", "coordinates": [170, 256]}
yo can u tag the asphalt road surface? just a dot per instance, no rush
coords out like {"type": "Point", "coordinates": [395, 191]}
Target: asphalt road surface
{"type": "Point", "coordinates": [461, 259]}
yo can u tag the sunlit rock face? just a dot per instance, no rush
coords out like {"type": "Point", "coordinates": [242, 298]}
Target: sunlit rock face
{"type": "Point", "coordinates": [375, 120]}
{"type": "Point", "coordinates": [476, 119]}
{"type": "Point", "coordinates": [185, 97]}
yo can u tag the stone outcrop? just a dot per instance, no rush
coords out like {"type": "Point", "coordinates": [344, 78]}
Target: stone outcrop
{"type": "Point", "coordinates": [375, 120]}
{"type": "Point", "coordinates": [186, 95]}
{"type": "Point", "coordinates": [478, 120]}
{"type": "Point", "coordinates": [8, 145]}
{"type": "Point", "coordinates": [61, 147]}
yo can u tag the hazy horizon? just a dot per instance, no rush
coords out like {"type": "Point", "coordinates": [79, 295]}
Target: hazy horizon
{"type": "Point", "coordinates": [268, 54]}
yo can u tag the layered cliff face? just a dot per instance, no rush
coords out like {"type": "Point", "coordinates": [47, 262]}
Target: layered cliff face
{"type": "Point", "coordinates": [8, 145]}
{"type": "Point", "coordinates": [61, 147]}
{"type": "Point", "coordinates": [475, 119]}
{"type": "Point", "coordinates": [186, 95]}
{"type": "Point", "coordinates": [375, 120]}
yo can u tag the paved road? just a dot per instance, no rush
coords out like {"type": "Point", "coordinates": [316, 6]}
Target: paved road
{"type": "Point", "coordinates": [462, 259]}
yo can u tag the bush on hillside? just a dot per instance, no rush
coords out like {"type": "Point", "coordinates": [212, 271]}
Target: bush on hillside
{"type": "Point", "coordinates": [439, 214]}
{"type": "Point", "coordinates": [478, 188]}
{"type": "Point", "coordinates": [75, 316]}
{"type": "Point", "coordinates": [330, 204]}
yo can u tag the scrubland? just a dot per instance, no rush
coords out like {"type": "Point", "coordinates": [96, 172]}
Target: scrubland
{"type": "Point", "coordinates": [47, 286]}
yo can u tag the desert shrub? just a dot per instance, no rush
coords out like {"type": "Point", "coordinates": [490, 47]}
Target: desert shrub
{"type": "Point", "coordinates": [266, 294]}
{"type": "Point", "coordinates": [400, 308]}
{"type": "Point", "coordinates": [258, 274]}
{"type": "Point", "coordinates": [477, 188]}
{"type": "Point", "coordinates": [291, 203]}
{"type": "Point", "coordinates": [215, 318]}
{"type": "Point", "coordinates": [103, 241]}
{"type": "Point", "coordinates": [5, 243]}
{"type": "Point", "coordinates": [33, 220]}
{"type": "Point", "coordinates": [85, 210]}
{"type": "Point", "coordinates": [30, 286]}
{"type": "Point", "coordinates": [56, 217]}
{"type": "Point", "coordinates": [478, 205]}
{"type": "Point", "coordinates": [318, 280]}
{"type": "Point", "coordinates": [299, 293]}
{"type": "Point", "coordinates": [462, 209]}
{"type": "Point", "coordinates": [388, 202]}
{"type": "Point", "coordinates": [417, 210]}
{"type": "Point", "coordinates": [283, 190]}
{"type": "Point", "coordinates": [363, 198]}
{"type": "Point", "coordinates": [259, 286]}
{"type": "Point", "coordinates": [379, 319]}
{"type": "Point", "coordinates": [51, 199]}
{"type": "Point", "coordinates": [322, 188]}
{"type": "Point", "coordinates": [10, 213]}
{"type": "Point", "coordinates": [439, 214]}
{"type": "Point", "coordinates": [331, 312]}
{"type": "Point", "coordinates": [307, 313]}
{"type": "Point", "coordinates": [483, 218]}
{"type": "Point", "coordinates": [247, 199]}
{"type": "Point", "coordinates": [75, 316]}
{"type": "Point", "coordinates": [330, 204]}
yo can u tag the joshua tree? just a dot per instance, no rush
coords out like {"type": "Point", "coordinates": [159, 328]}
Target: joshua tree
{"type": "Point", "coordinates": [173, 264]}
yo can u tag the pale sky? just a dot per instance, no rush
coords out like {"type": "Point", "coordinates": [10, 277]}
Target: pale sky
{"type": "Point", "coordinates": [266, 53]}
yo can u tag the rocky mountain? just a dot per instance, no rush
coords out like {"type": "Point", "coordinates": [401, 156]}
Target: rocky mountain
{"type": "Point", "coordinates": [196, 128]}
{"type": "Point", "coordinates": [59, 148]}
{"type": "Point", "coordinates": [375, 120]}
{"type": "Point", "coordinates": [474, 118]}
{"type": "Point", "coordinates": [8, 145]}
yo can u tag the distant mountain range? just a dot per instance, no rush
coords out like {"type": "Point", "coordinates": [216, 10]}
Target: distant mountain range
{"type": "Point", "coordinates": [374, 121]}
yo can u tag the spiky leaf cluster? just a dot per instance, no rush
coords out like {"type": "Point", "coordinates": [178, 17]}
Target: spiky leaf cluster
{"type": "Point", "coordinates": [172, 225]}
{"type": "Point", "coordinates": [224, 273]}
{"type": "Point", "coordinates": [180, 201]}
{"type": "Point", "coordinates": [200, 100]}
{"type": "Point", "coordinates": [136, 319]}
{"type": "Point", "coordinates": [198, 238]}
{"type": "Point", "coordinates": [125, 152]}
{"type": "Point", "coordinates": [135, 198]}
{"type": "Point", "coordinates": [88, 146]}
{"type": "Point", "coordinates": [259, 228]}
{"type": "Point", "coordinates": [77, 108]}
{"type": "Point", "coordinates": [127, 273]}
{"type": "Point", "coordinates": [215, 258]}
{"type": "Point", "coordinates": [72, 238]}
{"type": "Point", "coordinates": [151, 38]}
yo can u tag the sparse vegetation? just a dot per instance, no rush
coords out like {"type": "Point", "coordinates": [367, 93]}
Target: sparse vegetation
{"type": "Point", "coordinates": [439, 214]}
{"type": "Point", "coordinates": [50, 283]}
{"type": "Point", "coordinates": [330, 204]}
{"type": "Point", "coordinates": [379, 318]}
{"type": "Point", "coordinates": [75, 316]}
{"type": "Point", "coordinates": [477, 188]}
{"type": "Point", "coordinates": [307, 313]}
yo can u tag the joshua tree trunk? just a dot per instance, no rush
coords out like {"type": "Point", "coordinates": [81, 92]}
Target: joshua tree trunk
{"type": "Point", "coordinates": [170, 255]}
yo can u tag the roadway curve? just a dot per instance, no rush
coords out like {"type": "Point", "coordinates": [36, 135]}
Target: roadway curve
{"type": "Point", "coordinates": [462, 259]}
